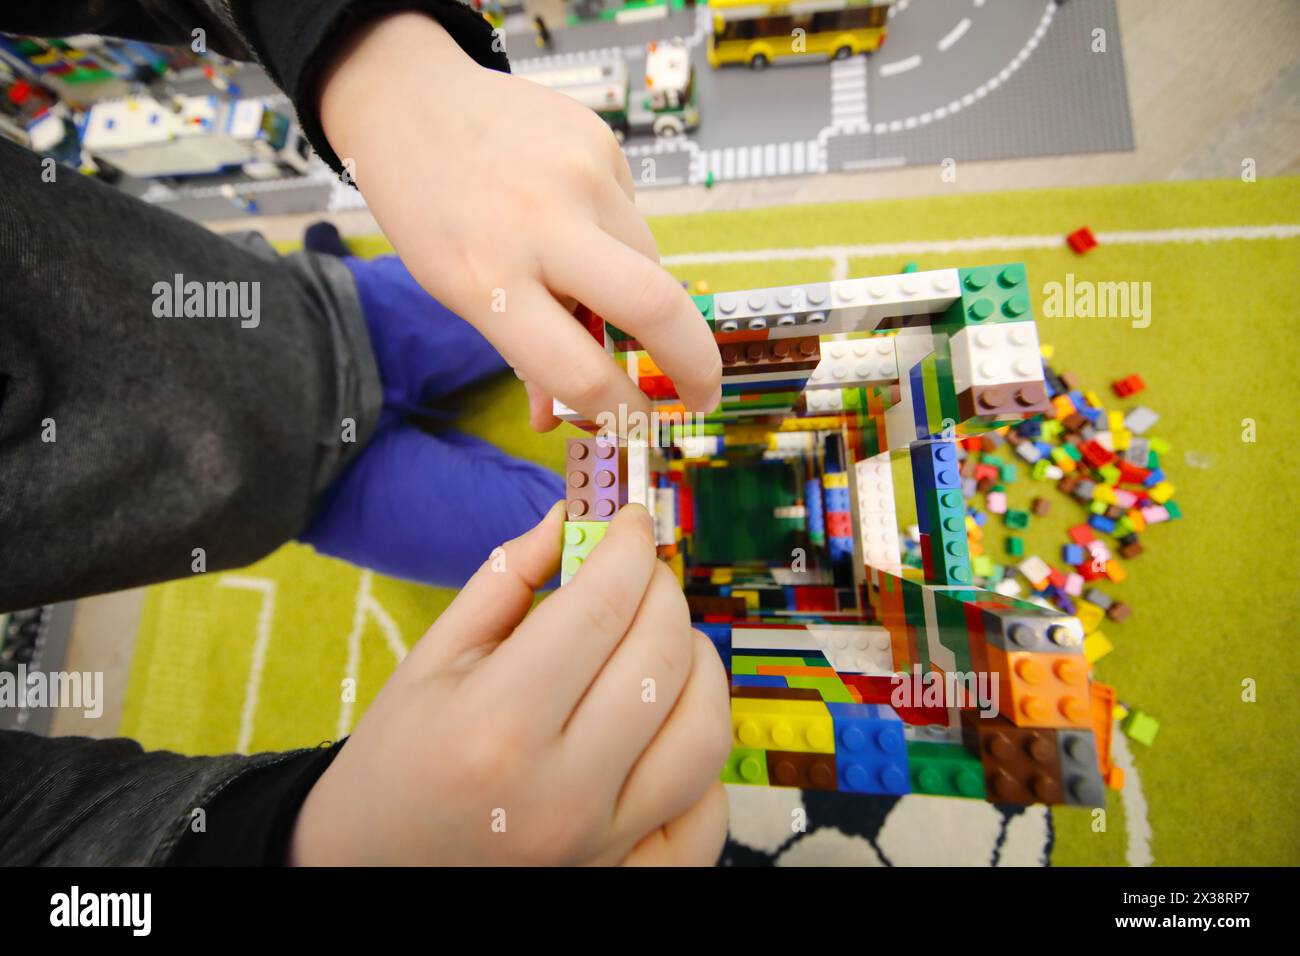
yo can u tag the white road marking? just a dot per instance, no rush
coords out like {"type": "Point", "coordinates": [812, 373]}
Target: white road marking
{"type": "Point", "coordinates": [955, 34]}
{"type": "Point", "coordinates": [1137, 822]}
{"type": "Point", "coordinates": [986, 243]}
{"type": "Point", "coordinates": [901, 66]}
{"type": "Point", "coordinates": [940, 112]}
{"type": "Point", "coordinates": [253, 686]}
{"type": "Point", "coordinates": [849, 94]}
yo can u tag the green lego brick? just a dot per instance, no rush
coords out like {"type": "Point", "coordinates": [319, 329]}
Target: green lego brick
{"type": "Point", "coordinates": [1015, 546]}
{"type": "Point", "coordinates": [746, 766]}
{"type": "Point", "coordinates": [945, 770]}
{"type": "Point", "coordinates": [580, 537]}
{"type": "Point", "coordinates": [1017, 519]}
{"type": "Point", "coordinates": [705, 304]}
{"type": "Point", "coordinates": [832, 689]}
{"type": "Point", "coordinates": [990, 294]}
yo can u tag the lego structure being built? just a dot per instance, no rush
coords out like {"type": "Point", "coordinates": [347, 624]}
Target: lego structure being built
{"type": "Point", "coordinates": [819, 528]}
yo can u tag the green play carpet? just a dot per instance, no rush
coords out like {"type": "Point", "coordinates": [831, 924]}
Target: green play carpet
{"type": "Point", "coordinates": [264, 658]}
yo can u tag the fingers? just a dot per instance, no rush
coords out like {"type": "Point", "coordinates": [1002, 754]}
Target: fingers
{"type": "Point", "coordinates": [695, 838]}
{"type": "Point", "coordinates": [686, 755]}
{"type": "Point", "coordinates": [636, 691]}
{"type": "Point", "coordinates": [498, 596]}
{"type": "Point", "coordinates": [621, 219]}
{"type": "Point", "coordinates": [553, 657]}
{"type": "Point", "coordinates": [639, 297]}
{"type": "Point", "coordinates": [559, 356]}
{"type": "Point", "coordinates": [541, 411]}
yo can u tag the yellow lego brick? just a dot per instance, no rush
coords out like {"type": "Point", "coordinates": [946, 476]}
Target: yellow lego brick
{"type": "Point", "coordinates": [1092, 399]}
{"type": "Point", "coordinates": [836, 479]}
{"type": "Point", "coordinates": [1096, 646]}
{"type": "Point", "coordinates": [1115, 420]}
{"type": "Point", "coordinates": [720, 575]}
{"type": "Point", "coordinates": [1105, 493]}
{"type": "Point", "coordinates": [1162, 492]}
{"type": "Point", "coordinates": [801, 726]}
{"type": "Point", "coordinates": [1089, 615]}
{"type": "Point", "coordinates": [750, 598]}
{"type": "Point", "coordinates": [1120, 440]}
{"type": "Point", "coordinates": [1047, 351]}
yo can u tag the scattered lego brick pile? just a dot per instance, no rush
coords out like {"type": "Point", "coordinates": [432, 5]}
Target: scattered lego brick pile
{"type": "Point", "coordinates": [1109, 465]}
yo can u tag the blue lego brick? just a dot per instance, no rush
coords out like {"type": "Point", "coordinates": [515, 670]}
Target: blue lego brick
{"type": "Point", "coordinates": [720, 636]}
{"type": "Point", "coordinates": [870, 751]}
{"type": "Point", "coordinates": [758, 680]}
{"type": "Point", "coordinates": [934, 465]}
{"type": "Point", "coordinates": [837, 499]}
{"type": "Point", "coordinates": [1073, 554]}
{"type": "Point", "coordinates": [840, 547]}
{"type": "Point", "coordinates": [1102, 523]}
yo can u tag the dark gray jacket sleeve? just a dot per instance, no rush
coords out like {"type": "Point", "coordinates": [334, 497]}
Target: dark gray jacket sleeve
{"type": "Point", "coordinates": [76, 801]}
{"type": "Point", "coordinates": [135, 441]}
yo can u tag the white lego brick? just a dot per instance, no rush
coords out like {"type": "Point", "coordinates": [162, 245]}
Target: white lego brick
{"type": "Point", "coordinates": [854, 649]}
{"type": "Point", "coordinates": [996, 354]}
{"type": "Point", "coordinates": [700, 446]}
{"type": "Point", "coordinates": [750, 378]}
{"type": "Point", "coordinates": [874, 478]}
{"type": "Point", "coordinates": [1140, 419]}
{"type": "Point", "coordinates": [638, 474]}
{"type": "Point", "coordinates": [856, 363]}
{"type": "Point", "coordinates": [878, 535]}
{"type": "Point", "coordinates": [862, 304]}
{"type": "Point", "coordinates": [795, 442]}
{"type": "Point", "coordinates": [1009, 587]}
{"type": "Point", "coordinates": [900, 426]}
{"type": "Point", "coordinates": [798, 309]}
{"type": "Point", "coordinates": [790, 513]}
{"type": "Point", "coordinates": [773, 639]}
{"type": "Point", "coordinates": [825, 400]}
{"type": "Point", "coordinates": [931, 734]}
{"type": "Point", "coordinates": [1034, 569]}
{"type": "Point", "coordinates": [564, 413]}
{"type": "Point", "coordinates": [788, 577]}
{"type": "Point", "coordinates": [665, 515]}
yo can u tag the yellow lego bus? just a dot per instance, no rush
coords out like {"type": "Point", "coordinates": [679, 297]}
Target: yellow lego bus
{"type": "Point", "coordinates": [758, 33]}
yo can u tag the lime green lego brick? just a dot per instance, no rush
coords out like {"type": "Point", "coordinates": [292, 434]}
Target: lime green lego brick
{"type": "Point", "coordinates": [746, 766]}
{"type": "Point", "coordinates": [832, 689]}
{"type": "Point", "coordinates": [982, 566]}
{"type": "Point", "coordinates": [945, 770]}
{"type": "Point", "coordinates": [1159, 446]}
{"type": "Point", "coordinates": [933, 402]}
{"type": "Point", "coordinates": [1109, 474]}
{"type": "Point", "coordinates": [1140, 726]}
{"type": "Point", "coordinates": [580, 537]}
{"type": "Point", "coordinates": [1039, 471]}
{"type": "Point", "coordinates": [749, 664]}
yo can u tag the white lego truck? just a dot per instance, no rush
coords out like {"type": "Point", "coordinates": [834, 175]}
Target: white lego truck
{"type": "Point", "coordinates": [665, 105]}
{"type": "Point", "coordinates": [194, 136]}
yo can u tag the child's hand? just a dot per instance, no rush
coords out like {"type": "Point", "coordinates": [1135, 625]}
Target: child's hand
{"type": "Point", "coordinates": [591, 731]}
{"type": "Point", "coordinates": [508, 201]}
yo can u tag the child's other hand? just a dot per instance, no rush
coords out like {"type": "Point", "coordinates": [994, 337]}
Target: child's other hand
{"type": "Point", "coordinates": [591, 731]}
{"type": "Point", "coordinates": [509, 201]}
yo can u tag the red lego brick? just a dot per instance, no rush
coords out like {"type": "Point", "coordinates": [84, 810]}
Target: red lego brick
{"type": "Point", "coordinates": [1081, 240]}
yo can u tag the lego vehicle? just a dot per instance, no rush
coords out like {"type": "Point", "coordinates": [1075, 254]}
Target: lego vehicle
{"type": "Point", "coordinates": [757, 34]}
{"type": "Point", "coordinates": [666, 105]}
{"type": "Point", "coordinates": [194, 136]}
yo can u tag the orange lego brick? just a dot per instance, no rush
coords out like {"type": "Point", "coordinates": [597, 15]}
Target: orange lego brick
{"type": "Point", "coordinates": [1041, 690]}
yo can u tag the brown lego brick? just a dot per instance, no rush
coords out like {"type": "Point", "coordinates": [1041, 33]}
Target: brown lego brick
{"type": "Point", "coordinates": [1075, 423]}
{"type": "Point", "coordinates": [1067, 484]}
{"type": "Point", "coordinates": [1021, 764]}
{"type": "Point", "coordinates": [771, 355]}
{"type": "Point", "coordinates": [1018, 399]}
{"type": "Point", "coordinates": [1070, 381]}
{"type": "Point", "coordinates": [807, 771]}
{"type": "Point", "coordinates": [1119, 611]}
{"type": "Point", "coordinates": [715, 605]}
{"type": "Point", "coordinates": [595, 479]}
{"type": "Point", "coordinates": [1041, 507]}
{"type": "Point", "coordinates": [777, 693]}
{"type": "Point", "coordinates": [1130, 550]}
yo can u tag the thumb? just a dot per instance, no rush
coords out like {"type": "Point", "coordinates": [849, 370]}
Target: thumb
{"type": "Point", "coordinates": [498, 596]}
